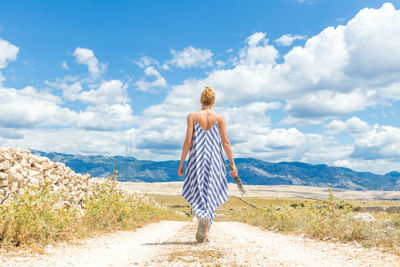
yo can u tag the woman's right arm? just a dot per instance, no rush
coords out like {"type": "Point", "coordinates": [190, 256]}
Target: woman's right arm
{"type": "Point", "coordinates": [226, 144]}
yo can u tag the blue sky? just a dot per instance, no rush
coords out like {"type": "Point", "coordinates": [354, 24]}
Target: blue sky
{"type": "Point", "coordinates": [313, 81]}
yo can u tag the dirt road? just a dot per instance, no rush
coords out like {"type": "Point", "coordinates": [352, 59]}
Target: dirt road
{"type": "Point", "coordinates": [172, 243]}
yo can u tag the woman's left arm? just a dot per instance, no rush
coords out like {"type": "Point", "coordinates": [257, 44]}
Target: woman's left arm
{"type": "Point", "coordinates": [187, 143]}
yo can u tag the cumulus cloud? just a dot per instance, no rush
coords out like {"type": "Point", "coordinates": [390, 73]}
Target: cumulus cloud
{"type": "Point", "coordinates": [380, 142]}
{"type": "Point", "coordinates": [257, 51]}
{"type": "Point", "coordinates": [150, 86]}
{"type": "Point", "coordinates": [372, 39]}
{"type": "Point", "coordinates": [352, 125]}
{"type": "Point", "coordinates": [313, 80]}
{"type": "Point", "coordinates": [10, 133]}
{"type": "Point", "coordinates": [191, 57]}
{"type": "Point", "coordinates": [71, 140]}
{"type": "Point", "coordinates": [105, 117]}
{"type": "Point", "coordinates": [288, 39]}
{"type": "Point", "coordinates": [86, 56]}
{"type": "Point", "coordinates": [8, 53]}
{"type": "Point", "coordinates": [349, 59]}
{"type": "Point", "coordinates": [339, 71]}
{"type": "Point", "coordinates": [109, 92]}
{"type": "Point", "coordinates": [29, 108]}
{"type": "Point", "coordinates": [321, 105]}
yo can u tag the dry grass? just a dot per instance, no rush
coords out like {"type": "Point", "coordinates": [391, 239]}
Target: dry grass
{"type": "Point", "coordinates": [333, 221]}
{"type": "Point", "coordinates": [33, 219]}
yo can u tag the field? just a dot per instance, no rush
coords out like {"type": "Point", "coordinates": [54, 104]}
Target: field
{"type": "Point", "coordinates": [30, 221]}
{"type": "Point", "coordinates": [325, 218]}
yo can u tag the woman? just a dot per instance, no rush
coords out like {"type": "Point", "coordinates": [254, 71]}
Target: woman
{"type": "Point", "coordinates": [205, 186]}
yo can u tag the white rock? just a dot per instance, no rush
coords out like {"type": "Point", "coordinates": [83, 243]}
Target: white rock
{"type": "Point", "coordinates": [364, 217]}
{"type": "Point", "coordinates": [21, 168]}
{"type": "Point", "coordinates": [3, 176]}
{"type": "Point", "coordinates": [13, 187]}
{"type": "Point", "coordinates": [5, 165]}
{"type": "Point", "coordinates": [34, 182]}
{"type": "Point", "coordinates": [18, 155]}
{"type": "Point", "coordinates": [3, 183]}
{"type": "Point", "coordinates": [21, 191]}
{"type": "Point", "coordinates": [14, 175]}
{"type": "Point", "coordinates": [24, 163]}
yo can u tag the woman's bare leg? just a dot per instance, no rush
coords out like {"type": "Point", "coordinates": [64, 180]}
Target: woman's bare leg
{"type": "Point", "coordinates": [206, 231]}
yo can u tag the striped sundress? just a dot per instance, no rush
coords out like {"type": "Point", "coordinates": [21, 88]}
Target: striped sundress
{"type": "Point", "coordinates": [205, 186]}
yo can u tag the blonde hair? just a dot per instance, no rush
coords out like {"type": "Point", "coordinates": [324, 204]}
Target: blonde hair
{"type": "Point", "coordinates": [207, 96]}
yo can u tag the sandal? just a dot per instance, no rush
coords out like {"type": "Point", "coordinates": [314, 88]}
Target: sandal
{"type": "Point", "coordinates": [201, 235]}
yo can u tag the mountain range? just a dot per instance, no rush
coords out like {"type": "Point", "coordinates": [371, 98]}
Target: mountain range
{"type": "Point", "coordinates": [251, 171]}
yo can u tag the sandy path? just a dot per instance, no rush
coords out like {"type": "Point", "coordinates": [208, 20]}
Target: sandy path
{"type": "Point", "coordinates": [122, 248]}
{"type": "Point", "coordinates": [171, 243]}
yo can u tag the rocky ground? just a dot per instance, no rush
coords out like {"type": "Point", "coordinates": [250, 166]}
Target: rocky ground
{"type": "Point", "coordinates": [172, 243]}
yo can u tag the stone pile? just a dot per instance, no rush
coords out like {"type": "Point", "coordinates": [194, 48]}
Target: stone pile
{"type": "Point", "coordinates": [20, 169]}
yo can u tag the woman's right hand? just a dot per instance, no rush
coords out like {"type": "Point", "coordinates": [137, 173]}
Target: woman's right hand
{"type": "Point", "coordinates": [234, 172]}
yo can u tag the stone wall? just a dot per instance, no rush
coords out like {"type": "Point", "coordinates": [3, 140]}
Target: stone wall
{"type": "Point", "coordinates": [20, 169]}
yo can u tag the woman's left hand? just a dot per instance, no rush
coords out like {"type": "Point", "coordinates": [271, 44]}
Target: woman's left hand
{"type": "Point", "coordinates": [180, 170]}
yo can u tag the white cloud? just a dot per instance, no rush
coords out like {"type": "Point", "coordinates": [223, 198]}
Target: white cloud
{"type": "Point", "coordinates": [314, 82]}
{"type": "Point", "coordinates": [288, 39]}
{"type": "Point", "coordinates": [165, 67]}
{"type": "Point", "coordinates": [321, 105]}
{"type": "Point", "coordinates": [220, 64]}
{"type": "Point", "coordinates": [285, 139]}
{"type": "Point", "coordinates": [158, 82]}
{"type": "Point", "coordinates": [191, 57]}
{"type": "Point", "coordinates": [67, 141]}
{"type": "Point", "coordinates": [380, 142]}
{"type": "Point", "coordinates": [105, 117]}
{"type": "Point", "coordinates": [71, 88]}
{"type": "Point", "coordinates": [341, 70]}
{"type": "Point", "coordinates": [352, 125]}
{"type": "Point", "coordinates": [256, 38]}
{"type": "Point", "coordinates": [8, 53]}
{"type": "Point", "coordinates": [257, 51]}
{"type": "Point", "coordinates": [29, 108]}
{"type": "Point", "coordinates": [146, 61]}
{"type": "Point", "coordinates": [10, 133]}
{"type": "Point", "coordinates": [64, 65]}
{"type": "Point", "coordinates": [109, 92]}
{"type": "Point", "coordinates": [372, 40]}
{"type": "Point", "coordinates": [72, 91]}
{"type": "Point", "coordinates": [86, 56]}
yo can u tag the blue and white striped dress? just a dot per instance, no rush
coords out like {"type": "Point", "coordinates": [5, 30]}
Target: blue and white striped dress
{"type": "Point", "coordinates": [205, 186]}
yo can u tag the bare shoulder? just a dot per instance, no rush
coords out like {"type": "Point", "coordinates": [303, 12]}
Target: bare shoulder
{"type": "Point", "coordinates": [191, 117]}
{"type": "Point", "coordinates": [220, 118]}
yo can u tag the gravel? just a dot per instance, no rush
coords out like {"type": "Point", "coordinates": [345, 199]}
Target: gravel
{"type": "Point", "coordinates": [172, 243]}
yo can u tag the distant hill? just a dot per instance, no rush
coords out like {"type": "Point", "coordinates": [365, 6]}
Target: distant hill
{"type": "Point", "coordinates": [251, 171]}
{"type": "Point", "coordinates": [394, 174]}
